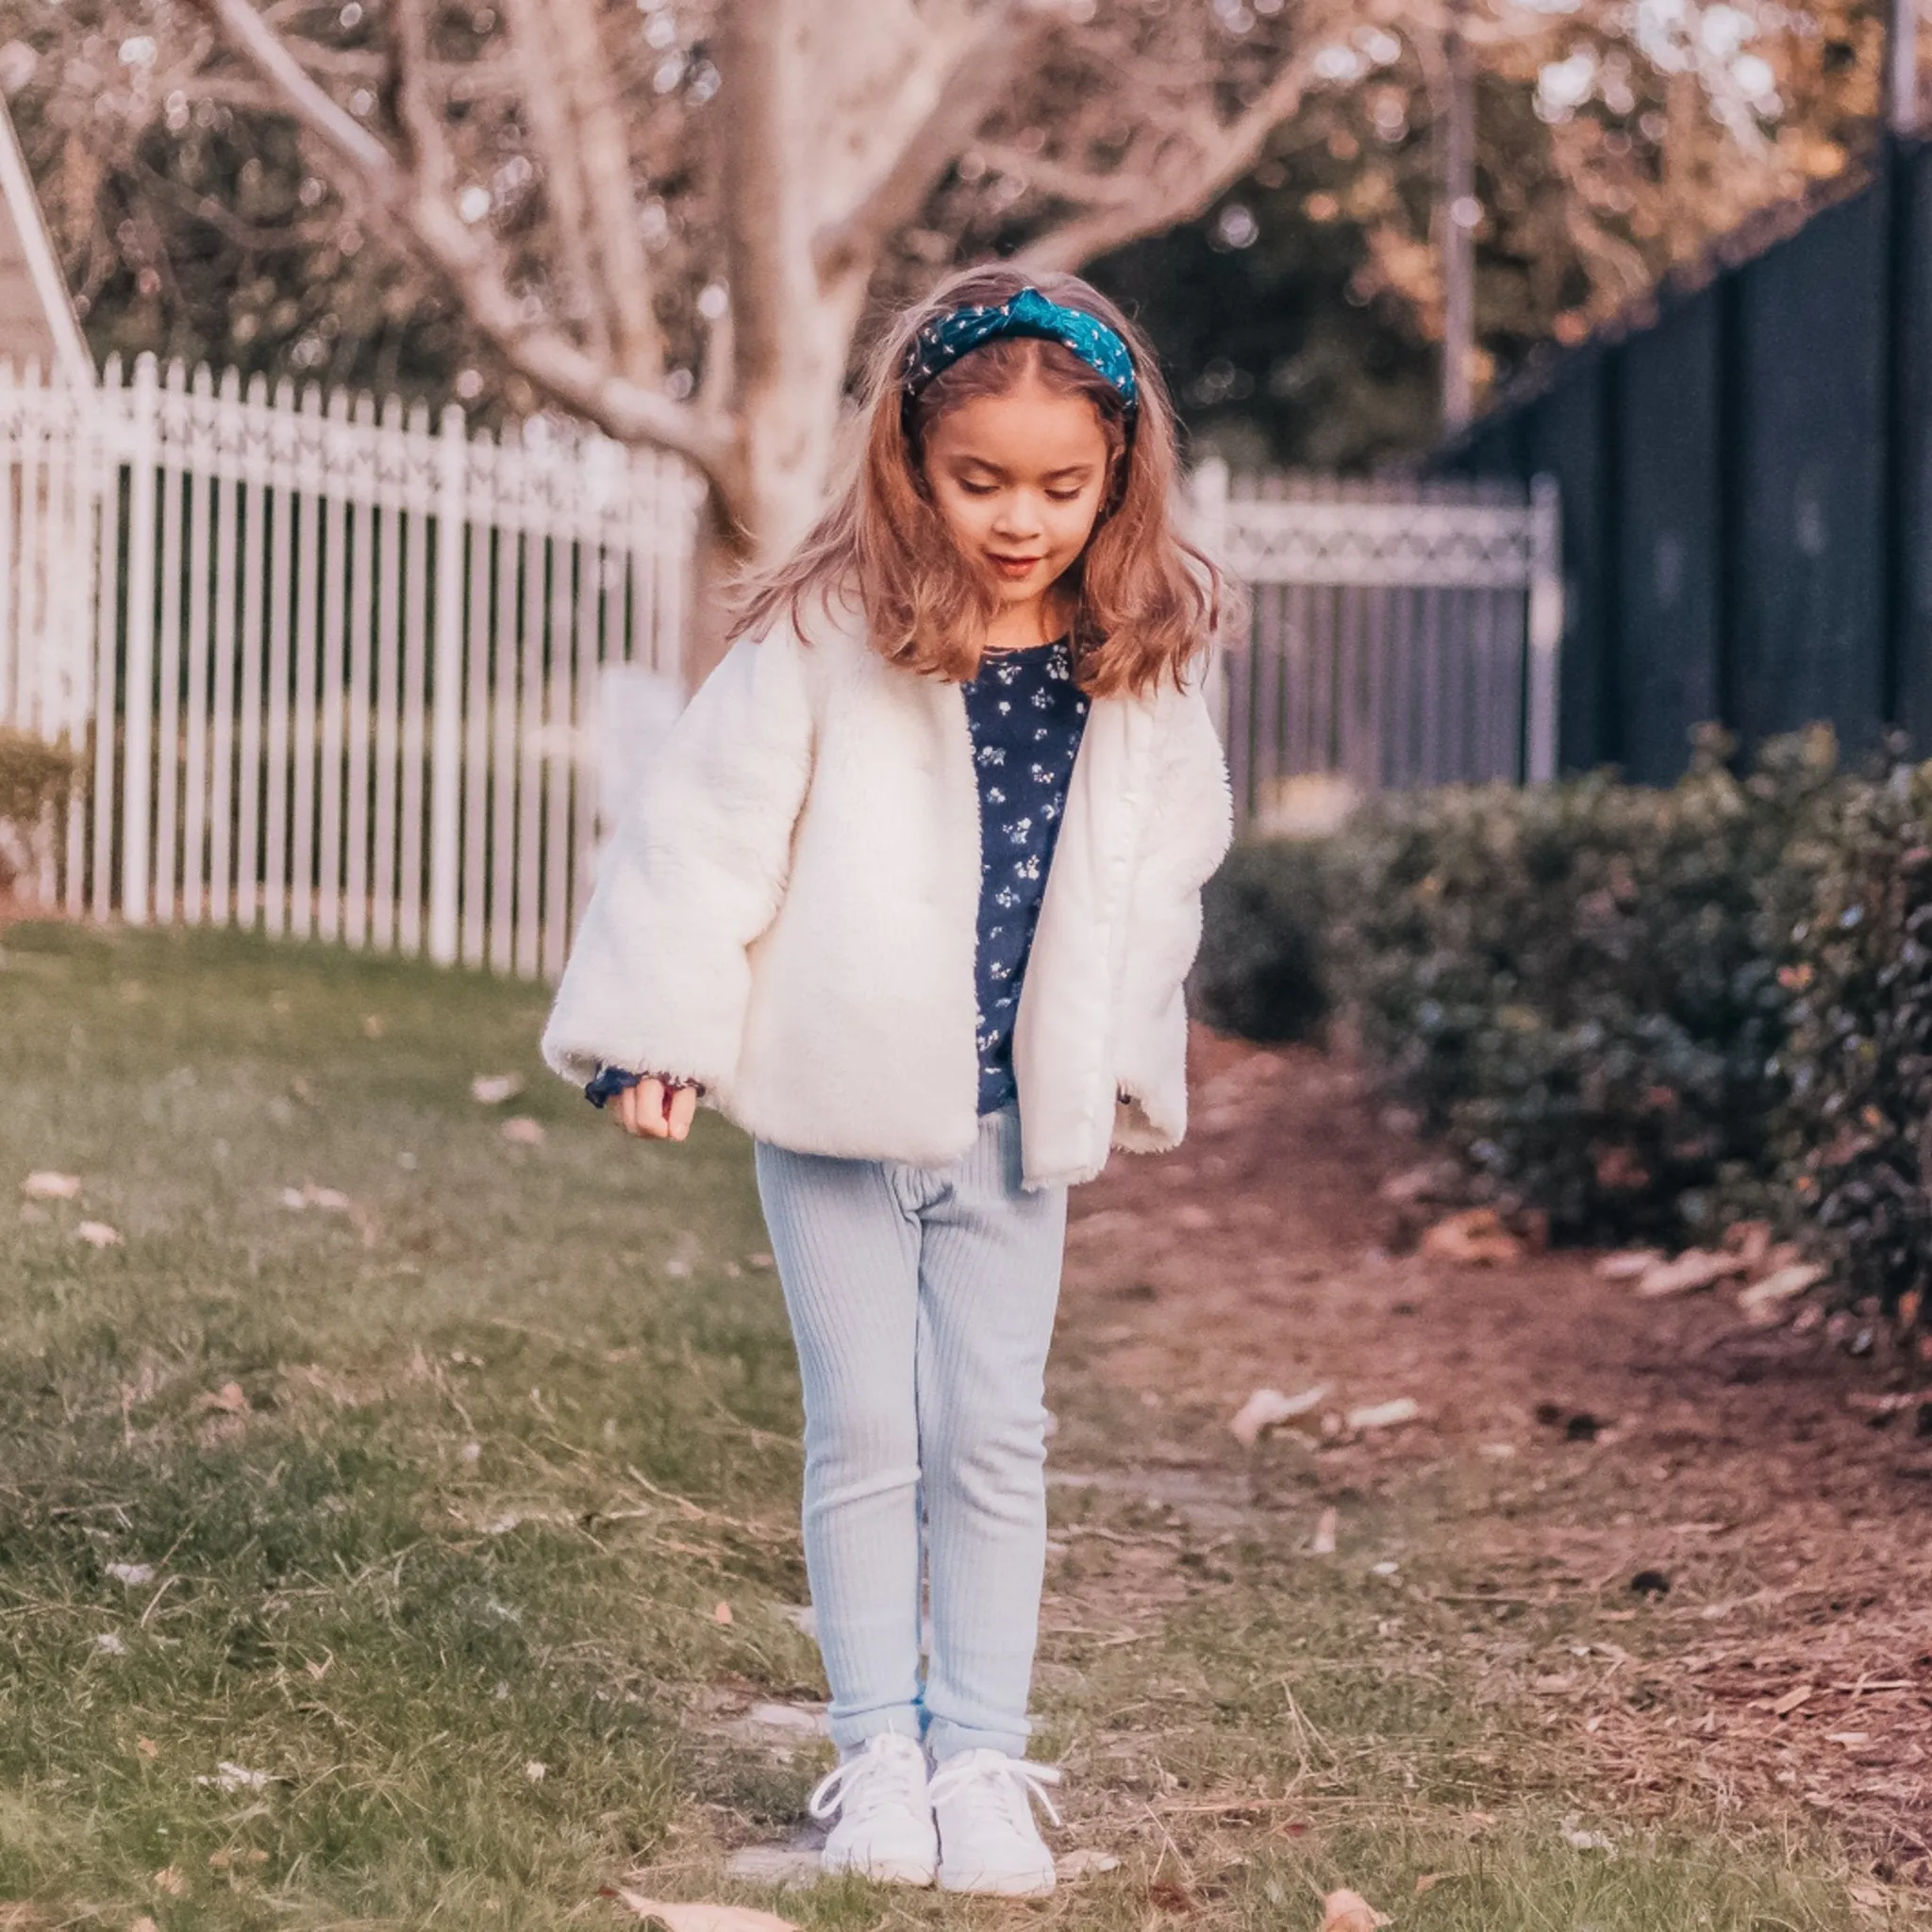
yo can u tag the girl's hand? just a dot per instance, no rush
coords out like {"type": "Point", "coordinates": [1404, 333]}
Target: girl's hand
{"type": "Point", "coordinates": [650, 1111]}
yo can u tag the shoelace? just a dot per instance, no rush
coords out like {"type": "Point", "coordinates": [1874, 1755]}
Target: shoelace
{"type": "Point", "coordinates": [997, 1782]}
{"type": "Point", "coordinates": [882, 1774]}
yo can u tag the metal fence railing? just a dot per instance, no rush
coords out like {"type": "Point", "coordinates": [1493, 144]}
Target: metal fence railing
{"type": "Point", "coordinates": [1400, 633]}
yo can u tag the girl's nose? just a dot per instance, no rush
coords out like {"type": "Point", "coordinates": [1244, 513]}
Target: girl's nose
{"type": "Point", "coordinates": [1019, 517]}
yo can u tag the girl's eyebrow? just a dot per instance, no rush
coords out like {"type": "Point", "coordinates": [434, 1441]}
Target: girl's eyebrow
{"type": "Point", "coordinates": [967, 459]}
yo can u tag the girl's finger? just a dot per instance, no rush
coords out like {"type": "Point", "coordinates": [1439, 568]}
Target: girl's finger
{"type": "Point", "coordinates": [650, 1110]}
{"type": "Point", "coordinates": [682, 1111]}
{"type": "Point", "coordinates": [626, 1109]}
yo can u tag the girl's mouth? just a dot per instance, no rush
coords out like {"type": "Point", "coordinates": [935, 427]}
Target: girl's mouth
{"type": "Point", "coordinates": [1013, 568]}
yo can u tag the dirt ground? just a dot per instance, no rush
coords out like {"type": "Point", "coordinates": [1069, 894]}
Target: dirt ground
{"type": "Point", "coordinates": [1776, 1658]}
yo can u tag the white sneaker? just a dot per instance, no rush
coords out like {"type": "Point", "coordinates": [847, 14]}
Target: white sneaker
{"type": "Point", "coordinates": [885, 1828]}
{"type": "Point", "coordinates": [983, 1801]}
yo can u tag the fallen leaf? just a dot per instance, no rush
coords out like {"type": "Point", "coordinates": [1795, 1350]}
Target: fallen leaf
{"type": "Point", "coordinates": [144, 1923]}
{"type": "Point", "coordinates": [97, 1234]}
{"type": "Point", "coordinates": [1473, 1239]}
{"type": "Point", "coordinates": [1428, 1881]}
{"type": "Point", "coordinates": [1763, 1301]}
{"type": "Point", "coordinates": [1084, 1864]}
{"type": "Point", "coordinates": [1784, 1706]}
{"type": "Point", "coordinates": [493, 1090]}
{"type": "Point", "coordinates": [1871, 1898]}
{"type": "Point", "coordinates": [1170, 1895]}
{"type": "Point", "coordinates": [372, 1025]}
{"type": "Point", "coordinates": [1588, 1840]}
{"type": "Point", "coordinates": [1415, 1184]}
{"type": "Point", "coordinates": [146, 1747]}
{"type": "Point", "coordinates": [775, 1865]}
{"type": "Point", "coordinates": [44, 1185]}
{"type": "Point", "coordinates": [131, 1572]}
{"type": "Point", "coordinates": [1325, 1527]}
{"type": "Point", "coordinates": [1267, 1409]}
{"type": "Point", "coordinates": [110, 1645]}
{"type": "Point", "coordinates": [704, 1918]}
{"type": "Point", "coordinates": [535, 1771]}
{"type": "Point", "coordinates": [309, 1196]}
{"type": "Point", "coordinates": [1349, 1911]}
{"type": "Point", "coordinates": [1850, 1740]}
{"type": "Point", "coordinates": [230, 1399]}
{"type": "Point", "coordinates": [721, 1612]}
{"type": "Point", "coordinates": [170, 1880]}
{"type": "Point", "coordinates": [1628, 1264]}
{"type": "Point", "coordinates": [235, 1777]}
{"type": "Point", "coordinates": [521, 1131]}
{"type": "Point", "coordinates": [1694, 1268]}
{"type": "Point", "coordinates": [1385, 1415]}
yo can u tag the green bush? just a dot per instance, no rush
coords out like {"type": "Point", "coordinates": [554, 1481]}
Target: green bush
{"type": "Point", "coordinates": [1859, 1054]}
{"type": "Point", "coordinates": [1264, 916]}
{"type": "Point", "coordinates": [1578, 984]}
{"type": "Point", "coordinates": [34, 775]}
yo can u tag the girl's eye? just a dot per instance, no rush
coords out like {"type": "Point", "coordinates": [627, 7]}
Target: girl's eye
{"type": "Point", "coordinates": [1064, 495]}
{"type": "Point", "coordinates": [978, 489]}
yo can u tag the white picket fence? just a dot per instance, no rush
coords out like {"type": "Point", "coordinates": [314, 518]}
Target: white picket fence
{"type": "Point", "coordinates": [339, 671]}
{"type": "Point", "coordinates": [333, 666]}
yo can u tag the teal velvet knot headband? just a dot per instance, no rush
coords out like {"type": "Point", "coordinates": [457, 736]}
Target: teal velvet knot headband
{"type": "Point", "coordinates": [946, 338]}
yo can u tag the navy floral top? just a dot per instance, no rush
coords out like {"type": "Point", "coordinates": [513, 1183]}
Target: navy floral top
{"type": "Point", "coordinates": [1028, 716]}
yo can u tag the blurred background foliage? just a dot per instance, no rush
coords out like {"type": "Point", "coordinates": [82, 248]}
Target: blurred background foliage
{"type": "Point", "coordinates": [1299, 315]}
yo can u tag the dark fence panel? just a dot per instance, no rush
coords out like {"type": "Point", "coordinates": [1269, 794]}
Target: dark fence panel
{"type": "Point", "coordinates": [1666, 591]}
{"type": "Point", "coordinates": [1564, 437]}
{"type": "Point", "coordinates": [1747, 493]}
{"type": "Point", "coordinates": [1809, 624]}
{"type": "Point", "coordinates": [1911, 665]}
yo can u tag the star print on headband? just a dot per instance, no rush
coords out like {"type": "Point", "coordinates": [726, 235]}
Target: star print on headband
{"type": "Point", "coordinates": [946, 338]}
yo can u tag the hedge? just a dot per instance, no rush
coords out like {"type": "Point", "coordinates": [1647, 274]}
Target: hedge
{"type": "Point", "coordinates": [1644, 1013]}
{"type": "Point", "coordinates": [34, 776]}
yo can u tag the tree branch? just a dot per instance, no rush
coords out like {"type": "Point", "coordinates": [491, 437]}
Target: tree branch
{"type": "Point", "coordinates": [407, 30]}
{"type": "Point", "coordinates": [1080, 186]}
{"type": "Point", "coordinates": [420, 223]}
{"type": "Point", "coordinates": [1183, 189]}
{"type": "Point", "coordinates": [546, 105]}
{"type": "Point", "coordinates": [604, 161]}
{"type": "Point", "coordinates": [961, 87]}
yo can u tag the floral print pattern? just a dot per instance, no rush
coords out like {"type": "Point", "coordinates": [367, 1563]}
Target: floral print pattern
{"type": "Point", "coordinates": [1027, 717]}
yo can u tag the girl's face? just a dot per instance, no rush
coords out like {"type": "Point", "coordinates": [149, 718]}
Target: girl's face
{"type": "Point", "coordinates": [1019, 480]}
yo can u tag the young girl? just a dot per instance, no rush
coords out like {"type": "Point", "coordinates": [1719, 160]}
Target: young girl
{"type": "Point", "coordinates": [910, 895]}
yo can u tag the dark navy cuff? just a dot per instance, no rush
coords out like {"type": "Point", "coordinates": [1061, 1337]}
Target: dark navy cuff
{"type": "Point", "coordinates": [610, 1082]}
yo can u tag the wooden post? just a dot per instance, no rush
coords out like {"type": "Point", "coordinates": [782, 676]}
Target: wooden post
{"type": "Point", "coordinates": [1461, 212]}
{"type": "Point", "coordinates": [1901, 70]}
{"type": "Point", "coordinates": [1545, 631]}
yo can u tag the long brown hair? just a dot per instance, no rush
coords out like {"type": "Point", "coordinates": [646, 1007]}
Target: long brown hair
{"type": "Point", "coordinates": [1146, 599]}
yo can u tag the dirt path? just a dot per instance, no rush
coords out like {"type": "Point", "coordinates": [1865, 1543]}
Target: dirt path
{"type": "Point", "coordinates": [1571, 1438]}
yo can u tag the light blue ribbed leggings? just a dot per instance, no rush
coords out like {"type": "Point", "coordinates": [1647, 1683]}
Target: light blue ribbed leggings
{"type": "Point", "coordinates": [921, 1300]}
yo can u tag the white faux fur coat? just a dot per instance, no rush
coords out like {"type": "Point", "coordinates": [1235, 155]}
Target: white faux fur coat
{"type": "Point", "coordinates": [789, 913]}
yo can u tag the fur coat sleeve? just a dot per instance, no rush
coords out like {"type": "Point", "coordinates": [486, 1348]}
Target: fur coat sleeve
{"type": "Point", "coordinates": [659, 975]}
{"type": "Point", "coordinates": [1185, 835]}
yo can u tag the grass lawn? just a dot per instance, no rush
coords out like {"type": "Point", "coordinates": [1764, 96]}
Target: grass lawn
{"type": "Point", "coordinates": [386, 1559]}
